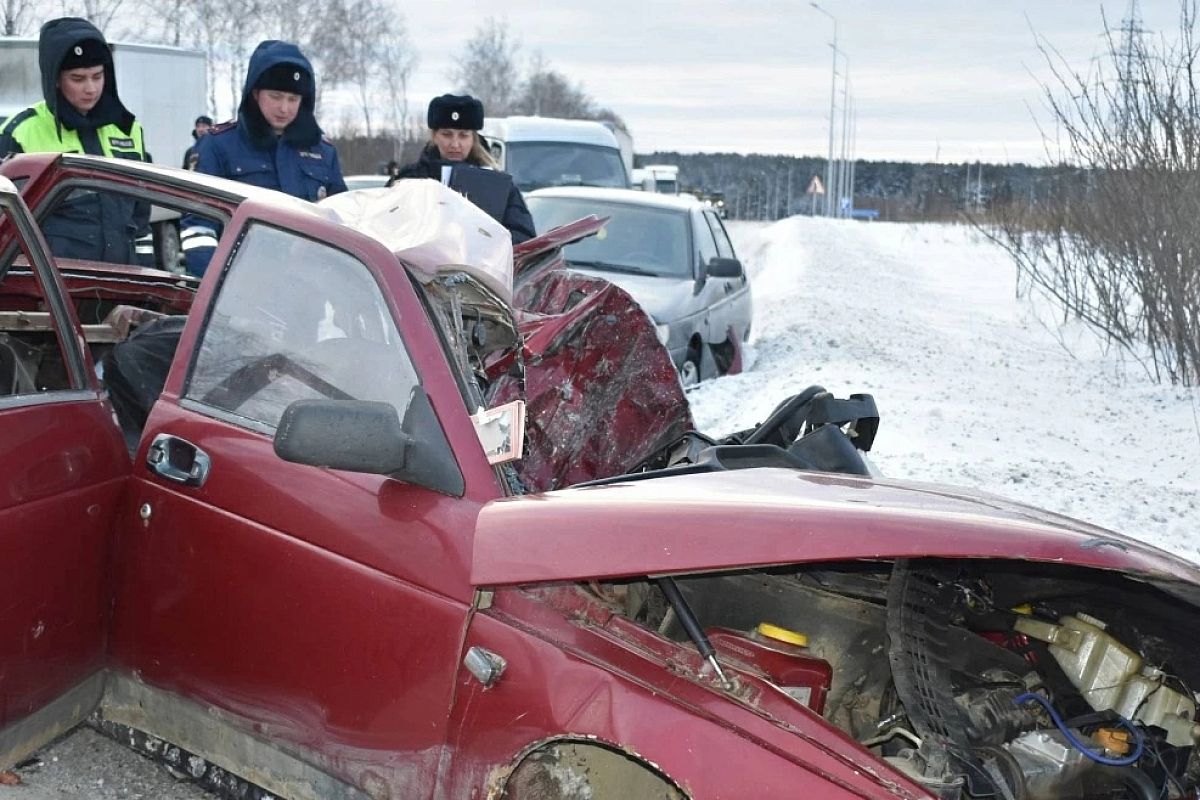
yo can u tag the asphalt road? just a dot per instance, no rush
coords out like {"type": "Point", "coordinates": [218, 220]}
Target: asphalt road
{"type": "Point", "coordinates": [85, 765]}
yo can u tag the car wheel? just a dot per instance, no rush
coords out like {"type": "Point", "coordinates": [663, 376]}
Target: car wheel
{"type": "Point", "coordinates": [166, 246]}
{"type": "Point", "coordinates": [689, 371]}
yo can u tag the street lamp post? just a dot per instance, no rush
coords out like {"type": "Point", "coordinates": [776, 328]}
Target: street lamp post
{"type": "Point", "coordinates": [829, 187]}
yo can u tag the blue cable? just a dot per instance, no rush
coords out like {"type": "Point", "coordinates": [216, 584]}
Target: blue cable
{"type": "Point", "coordinates": [1083, 748]}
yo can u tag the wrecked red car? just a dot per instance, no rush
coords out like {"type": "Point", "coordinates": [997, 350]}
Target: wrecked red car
{"type": "Point", "coordinates": [370, 512]}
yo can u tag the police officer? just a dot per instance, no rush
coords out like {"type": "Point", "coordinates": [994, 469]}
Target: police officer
{"type": "Point", "coordinates": [82, 113]}
{"type": "Point", "coordinates": [274, 143]}
{"type": "Point", "coordinates": [199, 128]}
{"type": "Point", "coordinates": [454, 125]}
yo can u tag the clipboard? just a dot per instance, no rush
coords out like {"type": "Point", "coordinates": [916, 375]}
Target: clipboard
{"type": "Point", "coordinates": [486, 188]}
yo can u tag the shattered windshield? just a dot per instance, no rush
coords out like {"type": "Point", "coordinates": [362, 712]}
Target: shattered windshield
{"type": "Point", "coordinates": [535, 165]}
{"type": "Point", "coordinates": [637, 239]}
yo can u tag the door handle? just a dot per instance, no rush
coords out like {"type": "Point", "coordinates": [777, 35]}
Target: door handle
{"type": "Point", "coordinates": [178, 460]}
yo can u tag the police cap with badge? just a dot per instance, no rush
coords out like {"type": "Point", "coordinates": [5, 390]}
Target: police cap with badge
{"type": "Point", "coordinates": [286, 77]}
{"type": "Point", "coordinates": [86, 53]}
{"type": "Point", "coordinates": [459, 111]}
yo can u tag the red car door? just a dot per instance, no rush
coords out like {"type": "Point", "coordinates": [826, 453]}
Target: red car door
{"type": "Point", "coordinates": [63, 467]}
{"type": "Point", "coordinates": [301, 622]}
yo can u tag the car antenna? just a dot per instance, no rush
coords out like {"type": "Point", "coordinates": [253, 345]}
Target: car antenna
{"type": "Point", "coordinates": [690, 624]}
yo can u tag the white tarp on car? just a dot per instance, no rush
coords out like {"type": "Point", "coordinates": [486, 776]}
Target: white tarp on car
{"type": "Point", "coordinates": [433, 229]}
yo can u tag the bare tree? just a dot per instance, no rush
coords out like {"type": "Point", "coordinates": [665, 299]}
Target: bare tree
{"type": "Point", "coordinates": [100, 13]}
{"type": "Point", "coordinates": [489, 69]}
{"type": "Point", "coordinates": [547, 92]}
{"type": "Point", "coordinates": [15, 16]}
{"type": "Point", "coordinates": [1115, 243]}
{"type": "Point", "coordinates": [397, 60]}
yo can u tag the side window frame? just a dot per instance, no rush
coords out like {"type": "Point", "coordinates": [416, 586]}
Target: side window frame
{"type": "Point", "coordinates": [238, 420]}
{"type": "Point", "coordinates": [702, 231]}
{"type": "Point", "coordinates": [27, 239]}
{"type": "Point", "coordinates": [720, 235]}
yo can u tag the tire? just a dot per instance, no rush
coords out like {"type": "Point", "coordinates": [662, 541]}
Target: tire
{"type": "Point", "coordinates": [166, 246]}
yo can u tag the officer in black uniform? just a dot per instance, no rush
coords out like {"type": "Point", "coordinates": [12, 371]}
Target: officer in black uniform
{"type": "Point", "coordinates": [454, 125]}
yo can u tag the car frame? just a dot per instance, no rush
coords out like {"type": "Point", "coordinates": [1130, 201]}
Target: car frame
{"type": "Point", "coordinates": [279, 611]}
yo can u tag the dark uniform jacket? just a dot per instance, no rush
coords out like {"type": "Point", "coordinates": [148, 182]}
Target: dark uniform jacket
{"type": "Point", "coordinates": [300, 162]}
{"type": "Point", "coordinates": [516, 216]}
{"type": "Point", "coordinates": [98, 226]}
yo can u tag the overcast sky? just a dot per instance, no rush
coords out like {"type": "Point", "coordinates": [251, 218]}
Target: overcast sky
{"type": "Point", "coordinates": [932, 79]}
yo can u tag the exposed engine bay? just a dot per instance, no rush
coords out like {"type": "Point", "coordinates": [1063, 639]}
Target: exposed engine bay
{"type": "Point", "coordinates": [975, 679]}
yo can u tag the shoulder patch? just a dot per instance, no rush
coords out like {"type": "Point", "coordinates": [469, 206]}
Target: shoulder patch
{"type": "Point", "coordinates": [12, 122]}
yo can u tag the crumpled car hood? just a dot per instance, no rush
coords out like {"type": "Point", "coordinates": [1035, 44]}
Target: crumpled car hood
{"type": "Point", "coordinates": [664, 299]}
{"type": "Point", "coordinates": [758, 517]}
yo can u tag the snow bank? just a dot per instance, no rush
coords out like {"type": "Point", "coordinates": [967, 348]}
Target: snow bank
{"type": "Point", "coordinates": [975, 386]}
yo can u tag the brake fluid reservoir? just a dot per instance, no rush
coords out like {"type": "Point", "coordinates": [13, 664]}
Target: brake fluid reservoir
{"type": "Point", "coordinates": [787, 665]}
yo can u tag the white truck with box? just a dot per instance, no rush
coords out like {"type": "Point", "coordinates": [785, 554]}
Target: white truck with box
{"type": "Point", "coordinates": [544, 151]}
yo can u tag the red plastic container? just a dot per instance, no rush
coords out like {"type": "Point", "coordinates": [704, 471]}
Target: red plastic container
{"type": "Point", "coordinates": [805, 678]}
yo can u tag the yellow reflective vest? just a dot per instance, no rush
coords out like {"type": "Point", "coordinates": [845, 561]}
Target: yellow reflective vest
{"type": "Point", "coordinates": [35, 130]}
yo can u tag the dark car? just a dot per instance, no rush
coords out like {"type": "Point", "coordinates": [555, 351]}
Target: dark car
{"type": "Point", "coordinates": [673, 255]}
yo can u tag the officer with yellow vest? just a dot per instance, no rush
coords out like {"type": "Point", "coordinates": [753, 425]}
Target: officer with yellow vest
{"type": "Point", "coordinates": [82, 113]}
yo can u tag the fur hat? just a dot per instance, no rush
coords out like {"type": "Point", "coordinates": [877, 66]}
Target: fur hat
{"type": "Point", "coordinates": [286, 78]}
{"type": "Point", "coordinates": [86, 53]}
{"type": "Point", "coordinates": [462, 112]}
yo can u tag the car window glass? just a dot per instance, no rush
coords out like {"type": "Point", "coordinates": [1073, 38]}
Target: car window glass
{"type": "Point", "coordinates": [637, 238]}
{"type": "Point", "coordinates": [110, 227]}
{"type": "Point", "coordinates": [534, 165]}
{"type": "Point", "coordinates": [724, 246]}
{"type": "Point", "coordinates": [32, 359]}
{"type": "Point", "coordinates": [705, 244]}
{"type": "Point", "coordinates": [296, 319]}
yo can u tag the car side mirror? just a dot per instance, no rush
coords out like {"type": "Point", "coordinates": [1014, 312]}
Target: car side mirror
{"type": "Point", "coordinates": [719, 267]}
{"type": "Point", "coordinates": [368, 437]}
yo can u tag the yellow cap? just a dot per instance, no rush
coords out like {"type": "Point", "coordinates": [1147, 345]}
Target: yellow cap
{"type": "Point", "coordinates": [781, 634]}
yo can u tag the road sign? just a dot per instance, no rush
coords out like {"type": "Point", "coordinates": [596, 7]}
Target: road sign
{"type": "Point", "coordinates": [815, 186]}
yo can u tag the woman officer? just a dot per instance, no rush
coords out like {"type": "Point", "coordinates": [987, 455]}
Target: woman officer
{"type": "Point", "coordinates": [454, 123]}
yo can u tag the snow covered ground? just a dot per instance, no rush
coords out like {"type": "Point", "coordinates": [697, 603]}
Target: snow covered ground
{"type": "Point", "coordinates": [975, 386]}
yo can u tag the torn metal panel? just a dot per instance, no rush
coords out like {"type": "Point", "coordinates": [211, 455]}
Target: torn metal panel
{"type": "Point", "coordinates": [601, 392]}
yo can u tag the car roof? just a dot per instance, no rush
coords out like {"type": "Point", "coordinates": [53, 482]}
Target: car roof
{"type": "Point", "coordinates": [676, 202]}
{"type": "Point", "coordinates": [232, 190]}
{"type": "Point", "coordinates": [539, 129]}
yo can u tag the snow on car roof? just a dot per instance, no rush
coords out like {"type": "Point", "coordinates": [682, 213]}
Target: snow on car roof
{"type": "Point", "coordinates": [680, 202]}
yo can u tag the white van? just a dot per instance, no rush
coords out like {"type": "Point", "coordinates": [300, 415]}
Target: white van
{"type": "Point", "coordinates": [543, 151]}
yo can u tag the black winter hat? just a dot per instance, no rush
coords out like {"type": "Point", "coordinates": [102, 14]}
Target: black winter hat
{"type": "Point", "coordinates": [86, 53]}
{"type": "Point", "coordinates": [461, 112]}
{"type": "Point", "coordinates": [205, 118]}
{"type": "Point", "coordinates": [287, 77]}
